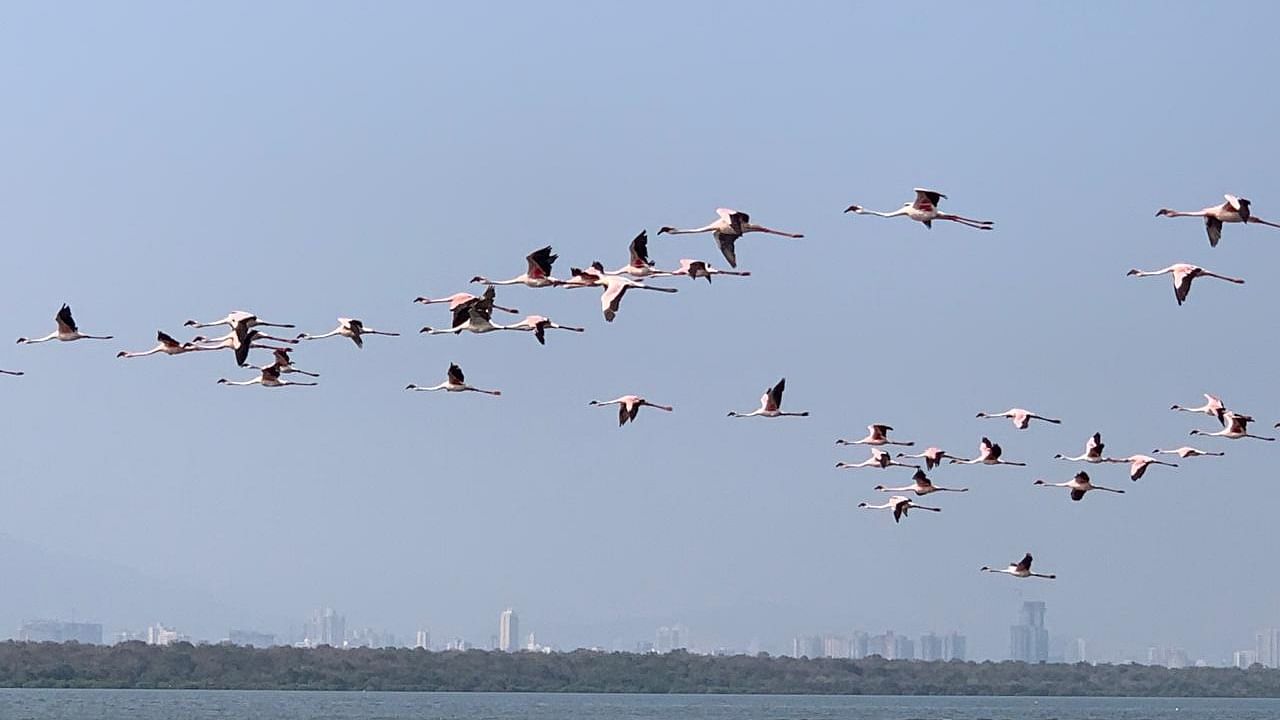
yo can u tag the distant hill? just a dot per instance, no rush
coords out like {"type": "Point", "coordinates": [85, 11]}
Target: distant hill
{"type": "Point", "coordinates": [39, 583]}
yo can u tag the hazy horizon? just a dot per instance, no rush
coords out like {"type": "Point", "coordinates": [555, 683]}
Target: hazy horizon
{"type": "Point", "coordinates": [313, 160]}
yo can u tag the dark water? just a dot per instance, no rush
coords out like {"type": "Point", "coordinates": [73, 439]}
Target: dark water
{"type": "Point", "coordinates": [236, 705]}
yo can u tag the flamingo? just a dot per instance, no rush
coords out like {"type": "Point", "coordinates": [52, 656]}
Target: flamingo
{"type": "Point", "coordinates": [932, 457]}
{"type": "Point", "coordinates": [727, 228]}
{"type": "Point", "coordinates": [284, 363]}
{"type": "Point", "coordinates": [879, 459]}
{"type": "Point", "coordinates": [924, 210]}
{"type": "Point", "coordinates": [1078, 485]}
{"type": "Point", "coordinates": [877, 434]}
{"type": "Point", "coordinates": [1185, 452]}
{"type": "Point", "coordinates": [457, 299]}
{"type": "Point", "coordinates": [1234, 427]}
{"type": "Point", "coordinates": [240, 340]}
{"type": "Point", "coordinates": [235, 317]}
{"type": "Point", "coordinates": [1020, 418]}
{"type": "Point", "coordinates": [455, 381]}
{"type": "Point", "coordinates": [349, 328]}
{"type": "Point", "coordinates": [167, 345]}
{"type": "Point", "coordinates": [1183, 274]}
{"type": "Point", "coordinates": [1234, 210]}
{"type": "Point", "coordinates": [66, 332]}
{"type": "Point", "coordinates": [988, 454]}
{"type": "Point", "coordinates": [1092, 452]}
{"type": "Point", "coordinates": [615, 288]}
{"type": "Point", "coordinates": [539, 325]}
{"type": "Point", "coordinates": [921, 486]}
{"type": "Point", "coordinates": [268, 376]}
{"type": "Point", "coordinates": [538, 274]}
{"type": "Point", "coordinates": [1213, 406]}
{"type": "Point", "coordinates": [771, 404]}
{"type": "Point", "coordinates": [629, 406]}
{"type": "Point", "coordinates": [475, 315]}
{"type": "Point", "coordinates": [640, 265]}
{"type": "Point", "coordinates": [1020, 569]}
{"type": "Point", "coordinates": [702, 269]}
{"type": "Point", "coordinates": [900, 504]}
{"type": "Point", "coordinates": [1138, 465]}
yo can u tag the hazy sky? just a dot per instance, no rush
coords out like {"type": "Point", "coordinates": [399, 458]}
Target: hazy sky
{"type": "Point", "coordinates": [310, 160]}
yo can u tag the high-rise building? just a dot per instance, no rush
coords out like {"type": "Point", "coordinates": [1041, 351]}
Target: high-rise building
{"type": "Point", "coordinates": [953, 647]}
{"type": "Point", "coordinates": [508, 631]}
{"type": "Point", "coordinates": [1244, 659]}
{"type": "Point", "coordinates": [931, 647]}
{"type": "Point", "coordinates": [1077, 651]}
{"type": "Point", "coordinates": [858, 647]}
{"type": "Point", "coordinates": [59, 631]}
{"type": "Point", "coordinates": [1267, 647]}
{"type": "Point", "coordinates": [835, 646]}
{"type": "Point", "coordinates": [886, 646]}
{"type": "Point", "coordinates": [1029, 640]}
{"type": "Point", "coordinates": [422, 641]}
{"type": "Point", "coordinates": [671, 638]}
{"type": "Point", "coordinates": [325, 627]}
{"type": "Point", "coordinates": [807, 646]}
{"type": "Point", "coordinates": [904, 648]}
{"type": "Point", "coordinates": [158, 634]}
{"type": "Point", "coordinates": [249, 638]}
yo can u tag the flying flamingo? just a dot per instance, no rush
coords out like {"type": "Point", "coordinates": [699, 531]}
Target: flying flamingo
{"type": "Point", "coordinates": [727, 228]}
{"type": "Point", "coordinates": [1138, 465]}
{"type": "Point", "coordinates": [1021, 418]}
{"type": "Point", "coordinates": [537, 275]}
{"type": "Point", "coordinates": [877, 434]}
{"type": "Point", "coordinates": [615, 287]}
{"type": "Point", "coordinates": [1078, 485]}
{"type": "Point", "coordinates": [269, 376]}
{"type": "Point", "coordinates": [1092, 452]}
{"type": "Point", "coordinates": [539, 325]}
{"type": "Point", "coordinates": [475, 315]}
{"type": "Point", "coordinates": [349, 328]}
{"type": "Point", "coordinates": [66, 332]}
{"type": "Point", "coordinates": [1183, 274]}
{"type": "Point", "coordinates": [455, 381]}
{"type": "Point", "coordinates": [924, 210]}
{"type": "Point", "coordinates": [640, 265]}
{"type": "Point", "coordinates": [1185, 452]}
{"type": "Point", "coordinates": [900, 504]}
{"type": "Point", "coordinates": [989, 453]}
{"type": "Point", "coordinates": [240, 341]}
{"type": "Point", "coordinates": [1212, 406]}
{"type": "Point", "coordinates": [702, 269]}
{"type": "Point", "coordinates": [1020, 569]}
{"type": "Point", "coordinates": [771, 404]}
{"type": "Point", "coordinates": [629, 406]}
{"type": "Point", "coordinates": [879, 459]}
{"type": "Point", "coordinates": [236, 317]}
{"type": "Point", "coordinates": [1234, 427]}
{"type": "Point", "coordinates": [284, 363]}
{"type": "Point", "coordinates": [921, 486]}
{"type": "Point", "coordinates": [457, 299]}
{"type": "Point", "coordinates": [932, 457]}
{"type": "Point", "coordinates": [167, 345]}
{"type": "Point", "coordinates": [1234, 210]}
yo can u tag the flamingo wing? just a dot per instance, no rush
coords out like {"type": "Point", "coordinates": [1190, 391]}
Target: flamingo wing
{"type": "Point", "coordinates": [1213, 226]}
{"type": "Point", "coordinates": [455, 375]}
{"type": "Point", "coordinates": [540, 262]}
{"type": "Point", "coordinates": [66, 323]}
{"type": "Point", "coordinates": [927, 199]}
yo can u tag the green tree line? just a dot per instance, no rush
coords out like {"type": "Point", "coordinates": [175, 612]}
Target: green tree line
{"type": "Point", "coordinates": [182, 665]}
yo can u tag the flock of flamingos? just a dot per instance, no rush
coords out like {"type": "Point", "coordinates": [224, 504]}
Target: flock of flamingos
{"type": "Point", "coordinates": [474, 314]}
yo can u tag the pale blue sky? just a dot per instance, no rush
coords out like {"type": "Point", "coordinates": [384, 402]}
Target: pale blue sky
{"type": "Point", "coordinates": [310, 160]}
